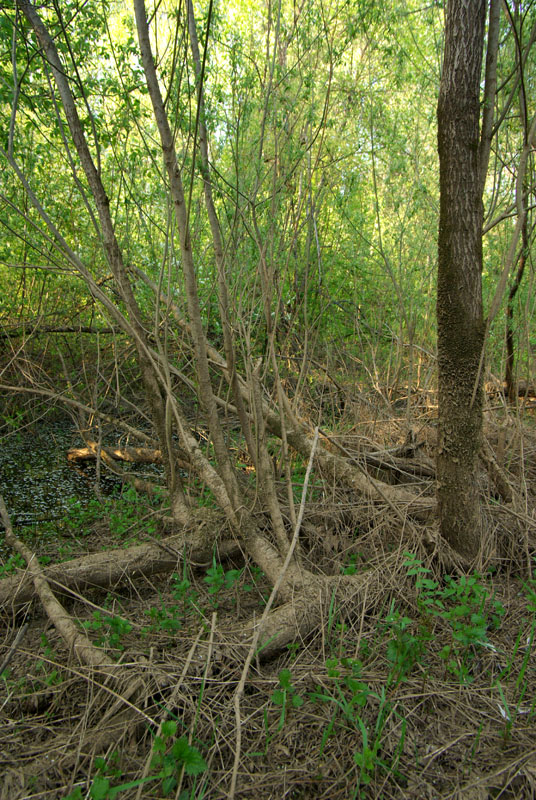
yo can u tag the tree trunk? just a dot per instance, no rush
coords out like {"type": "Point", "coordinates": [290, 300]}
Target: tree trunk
{"type": "Point", "coordinates": [459, 292]}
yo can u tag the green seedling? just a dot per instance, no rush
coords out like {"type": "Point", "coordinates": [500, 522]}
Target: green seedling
{"type": "Point", "coordinates": [13, 563]}
{"type": "Point", "coordinates": [217, 578]}
{"type": "Point", "coordinates": [351, 566]}
{"type": "Point", "coordinates": [111, 630]}
{"type": "Point", "coordinates": [285, 696]}
{"type": "Point", "coordinates": [169, 618]}
{"type": "Point", "coordinates": [256, 576]}
{"type": "Point", "coordinates": [184, 594]}
{"type": "Point", "coordinates": [466, 605]}
{"type": "Point", "coordinates": [349, 695]}
{"type": "Point", "coordinates": [405, 647]}
{"type": "Point", "coordinates": [171, 757]}
{"type": "Point", "coordinates": [52, 677]}
{"type": "Point", "coordinates": [165, 619]}
{"type": "Point", "coordinates": [293, 649]}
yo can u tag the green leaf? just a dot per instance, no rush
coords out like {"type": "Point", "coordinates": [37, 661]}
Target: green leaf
{"type": "Point", "coordinates": [168, 784]}
{"type": "Point", "coordinates": [428, 584]}
{"type": "Point", "coordinates": [284, 678]}
{"type": "Point", "coordinates": [99, 788]}
{"type": "Point", "coordinates": [169, 728]}
{"type": "Point", "coordinates": [76, 794]}
{"type": "Point", "coordinates": [190, 757]}
{"type": "Point", "coordinates": [278, 697]}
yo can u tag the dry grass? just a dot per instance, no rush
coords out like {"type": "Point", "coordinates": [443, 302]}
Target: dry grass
{"type": "Point", "coordinates": [431, 734]}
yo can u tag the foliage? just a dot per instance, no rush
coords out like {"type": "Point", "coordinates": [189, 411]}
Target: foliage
{"type": "Point", "coordinates": [350, 696]}
{"type": "Point", "coordinates": [111, 630]}
{"type": "Point", "coordinates": [171, 756]}
{"type": "Point", "coordinates": [217, 578]}
{"type": "Point", "coordinates": [465, 604]}
{"type": "Point", "coordinates": [285, 696]}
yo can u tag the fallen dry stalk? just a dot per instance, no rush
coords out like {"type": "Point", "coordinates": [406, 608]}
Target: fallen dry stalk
{"type": "Point", "coordinates": [240, 688]}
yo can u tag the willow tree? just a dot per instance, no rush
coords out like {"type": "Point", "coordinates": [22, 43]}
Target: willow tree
{"type": "Point", "coordinates": [460, 320]}
{"type": "Point", "coordinates": [256, 517]}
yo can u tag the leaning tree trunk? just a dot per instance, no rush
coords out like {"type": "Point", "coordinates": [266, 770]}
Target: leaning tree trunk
{"type": "Point", "coordinates": [114, 256]}
{"type": "Point", "coordinates": [459, 292]}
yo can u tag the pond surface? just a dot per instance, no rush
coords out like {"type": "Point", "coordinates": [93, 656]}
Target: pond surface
{"type": "Point", "coordinates": [36, 480]}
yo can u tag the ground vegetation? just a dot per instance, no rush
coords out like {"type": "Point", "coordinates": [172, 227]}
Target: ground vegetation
{"type": "Point", "coordinates": [304, 566]}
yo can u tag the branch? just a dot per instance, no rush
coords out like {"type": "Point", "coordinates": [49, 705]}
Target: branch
{"type": "Point", "coordinates": [72, 636]}
{"type": "Point", "coordinates": [490, 88]}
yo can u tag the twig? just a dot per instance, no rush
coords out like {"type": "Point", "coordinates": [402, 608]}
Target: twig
{"type": "Point", "coordinates": [11, 652]}
{"type": "Point", "coordinates": [253, 647]}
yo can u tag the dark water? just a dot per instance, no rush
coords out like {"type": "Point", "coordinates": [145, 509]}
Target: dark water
{"type": "Point", "coordinates": [36, 480]}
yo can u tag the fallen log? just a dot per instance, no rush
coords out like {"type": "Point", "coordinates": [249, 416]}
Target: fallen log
{"type": "Point", "coordinates": [403, 468]}
{"type": "Point", "coordinates": [75, 639]}
{"type": "Point", "coordinates": [110, 567]}
{"type": "Point", "coordinates": [133, 455]}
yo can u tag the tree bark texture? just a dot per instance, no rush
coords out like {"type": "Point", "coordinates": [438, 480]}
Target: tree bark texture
{"type": "Point", "coordinates": [459, 292]}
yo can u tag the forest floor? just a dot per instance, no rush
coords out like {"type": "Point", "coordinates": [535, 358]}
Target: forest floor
{"type": "Point", "coordinates": [427, 691]}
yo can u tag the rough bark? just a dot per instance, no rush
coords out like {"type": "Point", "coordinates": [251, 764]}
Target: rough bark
{"type": "Point", "coordinates": [459, 293]}
{"type": "Point", "coordinates": [110, 567]}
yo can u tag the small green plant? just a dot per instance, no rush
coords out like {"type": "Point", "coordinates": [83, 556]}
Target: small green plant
{"type": "Point", "coordinates": [217, 578]}
{"type": "Point", "coordinates": [351, 567]}
{"type": "Point", "coordinates": [122, 512]}
{"type": "Point", "coordinates": [285, 696]}
{"type": "Point", "coordinates": [293, 649]}
{"type": "Point", "coordinates": [12, 686]}
{"type": "Point", "coordinates": [65, 551]}
{"type": "Point", "coordinates": [170, 758]}
{"type": "Point", "coordinates": [111, 630]}
{"type": "Point", "coordinates": [166, 619]}
{"type": "Point", "coordinates": [169, 617]}
{"type": "Point", "coordinates": [80, 516]}
{"type": "Point", "coordinates": [14, 420]}
{"type": "Point", "coordinates": [13, 563]}
{"type": "Point", "coordinates": [367, 758]}
{"type": "Point", "coordinates": [52, 677]}
{"type": "Point", "coordinates": [349, 694]}
{"type": "Point", "coordinates": [406, 645]}
{"type": "Point", "coordinates": [182, 591]}
{"type": "Point", "coordinates": [256, 576]}
{"type": "Point", "coordinates": [466, 604]}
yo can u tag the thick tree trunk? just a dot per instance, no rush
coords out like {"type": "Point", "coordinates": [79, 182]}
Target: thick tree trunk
{"type": "Point", "coordinates": [459, 293]}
